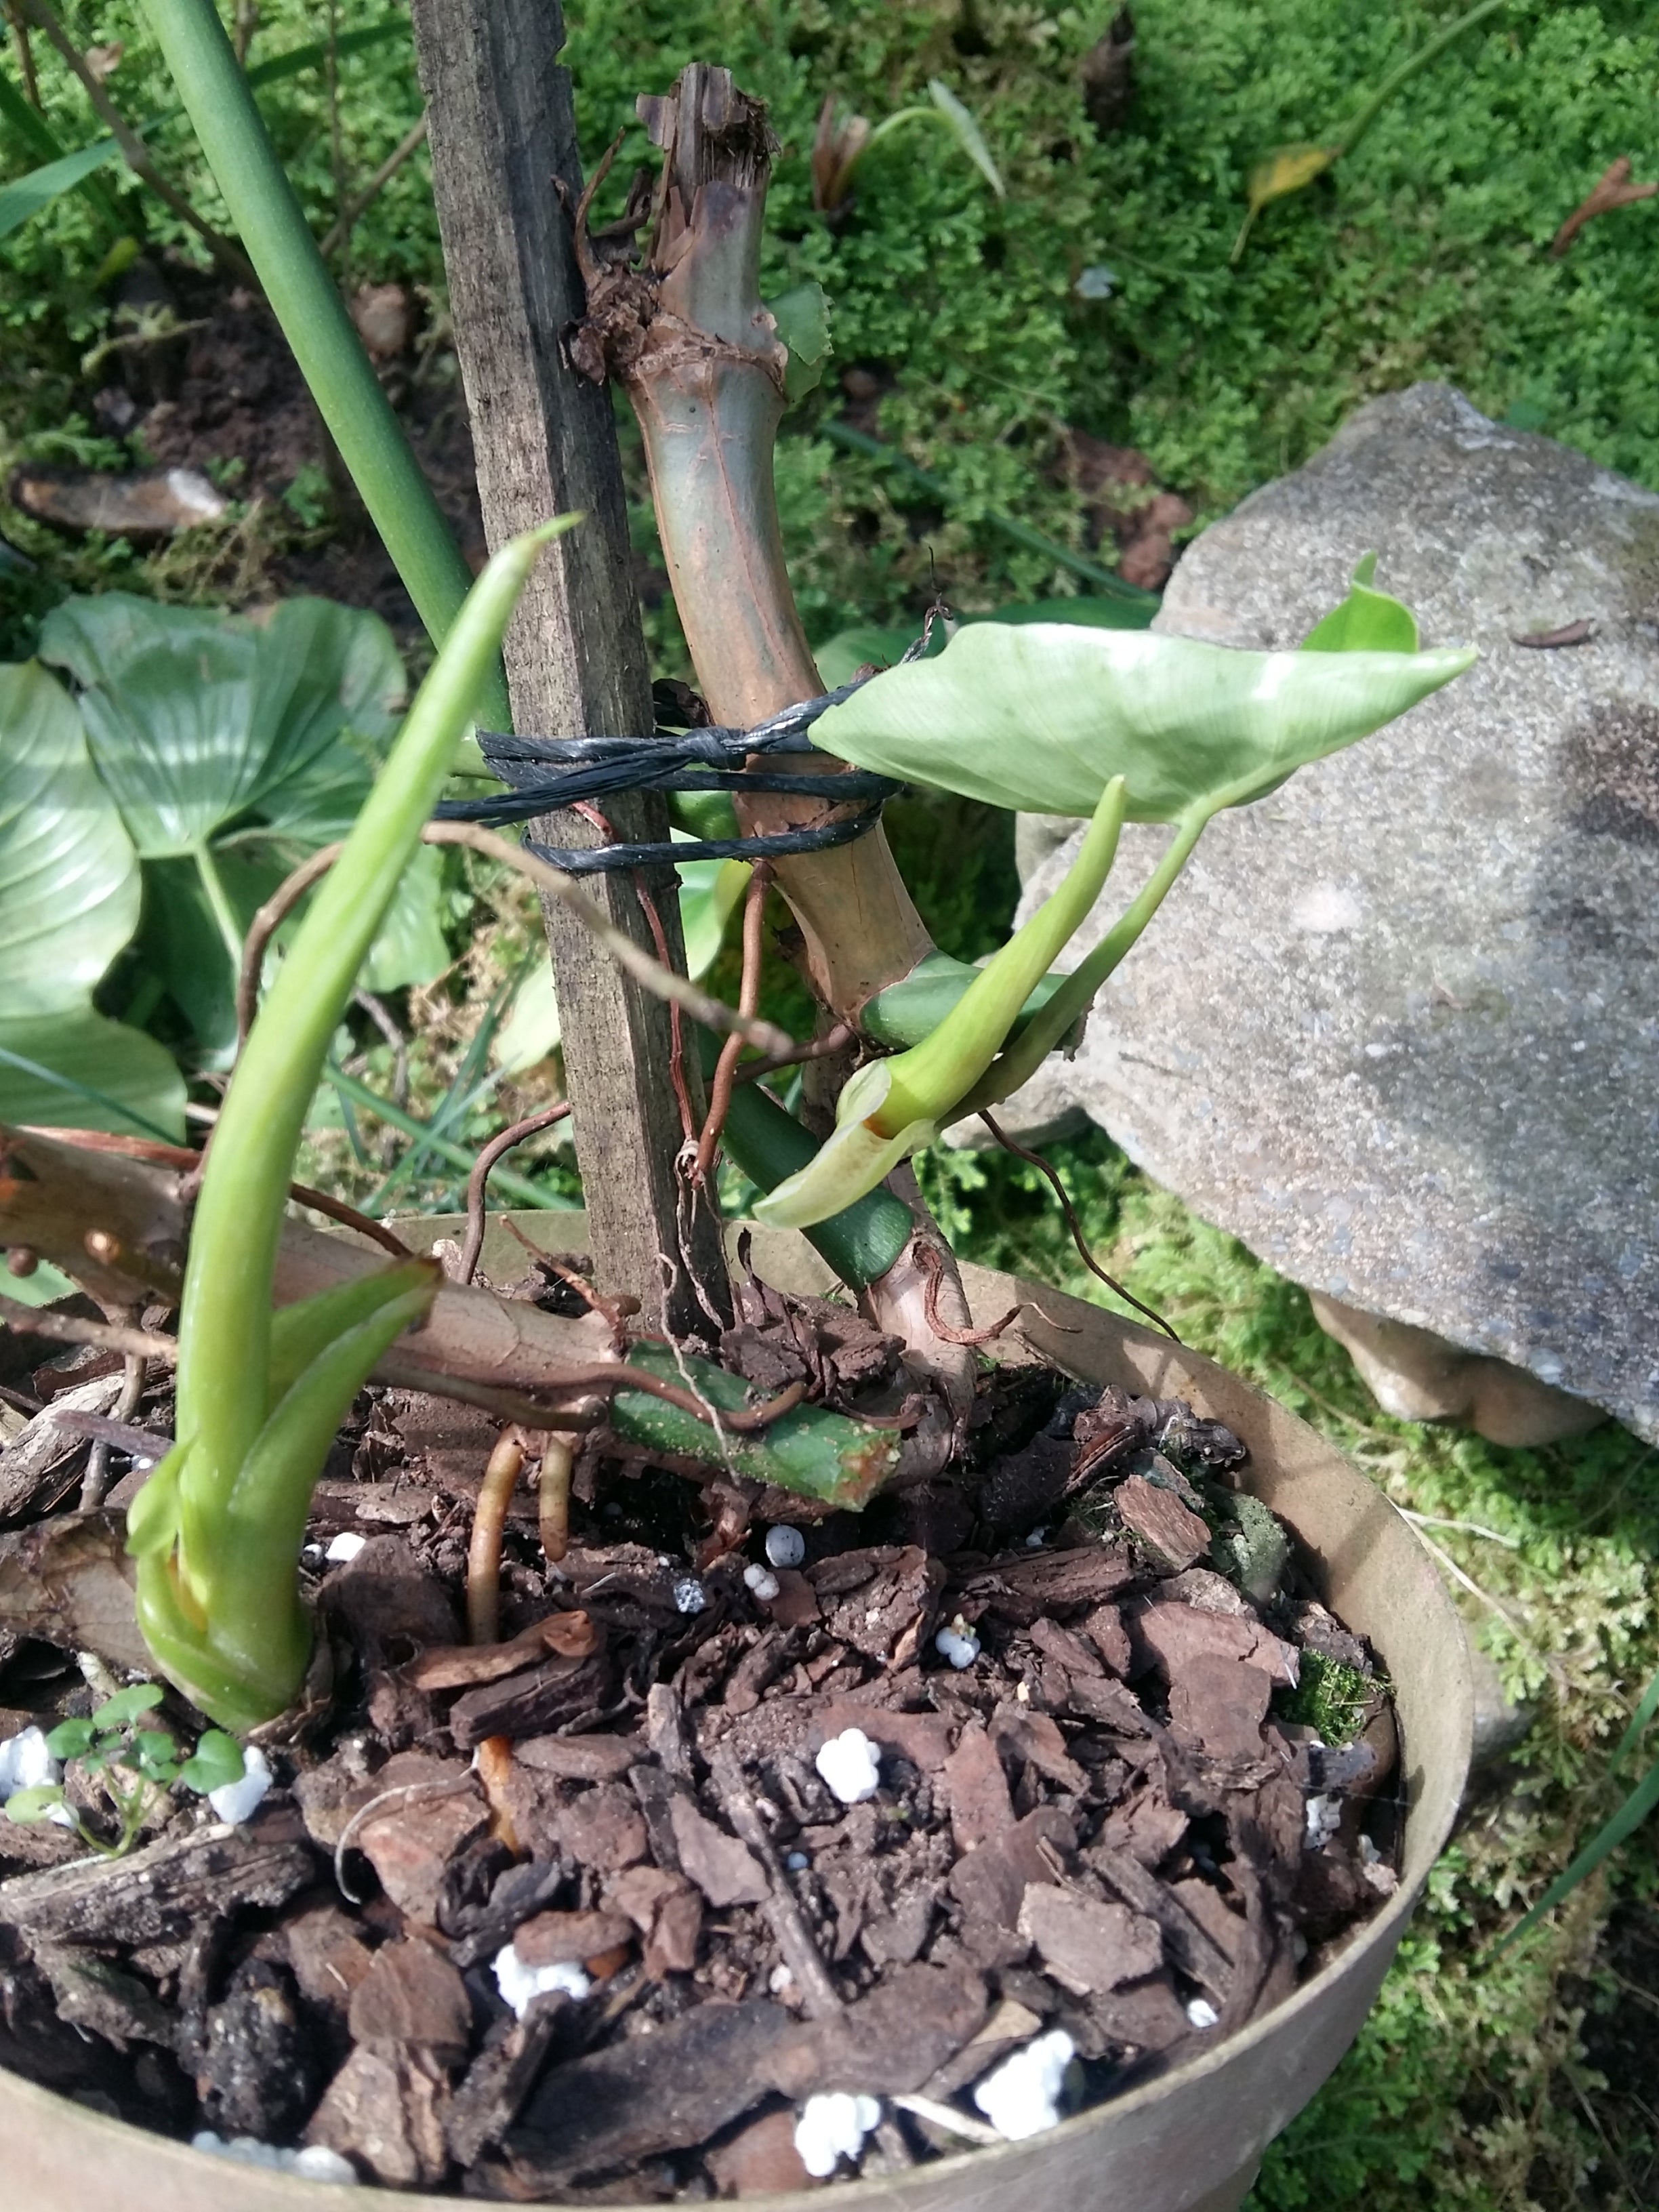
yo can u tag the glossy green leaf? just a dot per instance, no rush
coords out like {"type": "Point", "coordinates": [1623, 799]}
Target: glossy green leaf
{"type": "Point", "coordinates": [196, 719]}
{"type": "Point", "coordinates": [25, 196]}
{"type": "Point", "coordinates": [70, 1738]}
{"type": "Point", "coordinates": [409, 947]}
{"type": "Point", "coordinates": [81, 1070]}
{"type": "Point", "coordinates": [68, 877]}
{"type": "Point", "coordinates": [1367, 621]}
{"type": "Point", "coordinates": [126, 1705]}
{"type": "Point", "coordinates": [216, 1762]}
{"type": "Point", "coordinates": [1042, 717]}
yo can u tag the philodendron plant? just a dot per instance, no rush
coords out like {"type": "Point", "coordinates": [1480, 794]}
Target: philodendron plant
{"type": "Point", "coordinates": [1109, 724]}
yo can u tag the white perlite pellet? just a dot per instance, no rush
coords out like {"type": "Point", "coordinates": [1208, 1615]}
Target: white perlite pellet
{"type": "Point", "coordinates": [1021, 2097]}
{"type": "Point", "coordinates": [689, 1595]}
{"type": "Point", "coordinates": [785, 1547]}
{"type": "Point", "coordinates": [236, 1802]}
{"type": "Point", "coordinates": [1324, 1816]}
{"type": "Point", "coordinates": [957, 1643]}
{"type": "Point", "coordinates": [25, 1764]}
{"type": "Point", "coordinates": [346, 1545]}
{"type": "Point", "coordinates": [763, 1583]}
{"type": "Point", "coordinates": [518, 1983]}
{"type": "Point", "coordinates": [315, 2162]}
{"type": "Point", "coordinates": [831, 2128]}
{"type": "Point", "coordinates": [851, 1765]}
{"type": "Point", "coordinates": [1201, 2013]}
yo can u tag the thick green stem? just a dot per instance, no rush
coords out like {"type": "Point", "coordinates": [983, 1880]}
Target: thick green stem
{"type": "Point", "coordinates": [814, 1453]}
{"type": "Point", "coordinates": [1075, 995]}
{"type": "Point", "coordinates": [225, 1315]}
{"type": "Point", "coordinates": [314, 321]}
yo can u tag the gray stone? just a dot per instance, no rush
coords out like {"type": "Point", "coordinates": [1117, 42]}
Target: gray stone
{"type": "Point", "coordinates": [1395, 1028]}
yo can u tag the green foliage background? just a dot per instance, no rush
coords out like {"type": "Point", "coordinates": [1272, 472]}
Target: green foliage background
{"type": "Point", "coordinates": [1477, 2083]}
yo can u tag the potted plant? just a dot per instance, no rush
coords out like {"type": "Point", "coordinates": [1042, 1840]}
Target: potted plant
{"type": "Point", "coordinates": [280, 1328]}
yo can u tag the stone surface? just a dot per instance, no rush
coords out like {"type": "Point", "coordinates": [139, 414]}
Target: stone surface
{"type": "Point", "coordinates": [1395, 1028]}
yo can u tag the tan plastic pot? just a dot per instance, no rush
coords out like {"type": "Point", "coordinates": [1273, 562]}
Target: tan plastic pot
{"type": "Point", "coordinates": [1189, 2142]}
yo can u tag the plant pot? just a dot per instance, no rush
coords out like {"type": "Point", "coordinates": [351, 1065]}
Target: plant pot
{"type": "Point", "coordinates": [1191, 2142]}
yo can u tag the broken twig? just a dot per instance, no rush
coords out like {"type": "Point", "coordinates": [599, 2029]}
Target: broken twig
{"type": "Point", "coordinates": [1613, 190]}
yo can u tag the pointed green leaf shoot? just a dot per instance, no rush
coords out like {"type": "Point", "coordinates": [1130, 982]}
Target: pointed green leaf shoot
{"type": "Point", "coordinates": [892, 1108]}
{"type": "Point", "coordinates": [969, 134]}
{"type": "Point", "coordinates": [1367, 621]}
{"type": "Point", "coordinates": [216, 1530]}
{"type": "Point", "coordinates": [1041, 718]}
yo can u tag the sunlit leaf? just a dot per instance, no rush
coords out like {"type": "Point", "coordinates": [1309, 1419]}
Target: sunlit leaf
{"type": "Point", "coordinates": [28, 1807]}
{"type": "Point", "coordinates": [68, 877]}
{"type": "Point", "coordinates": [1042, 717]}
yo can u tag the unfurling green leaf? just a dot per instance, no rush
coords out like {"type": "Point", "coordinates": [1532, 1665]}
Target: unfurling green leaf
{"type": "Point", "coordinates": [1367, 621]}
{"type": "Point", "coordinates": [218, 1529]}
{"type": "Point", "coordinates": [1042, 718]}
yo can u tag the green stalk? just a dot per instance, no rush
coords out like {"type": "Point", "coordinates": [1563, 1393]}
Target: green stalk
{"type": "Point", "coordinates": [225, 1325]}
{"type": "Point", "coordinates": [314, 321]}
{"type": "Point", "coordinates": [926, 1082]}
{"type": "Point", "coordinates": [1406, 71]}
{"type": "Point", "coordinates": [1076, 993]}
{"type": "Point", "coordinates": [218, 899]}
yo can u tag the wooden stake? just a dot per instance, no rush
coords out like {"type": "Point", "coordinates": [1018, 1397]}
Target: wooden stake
{"type": "Point", "coordinates": [503, 137]}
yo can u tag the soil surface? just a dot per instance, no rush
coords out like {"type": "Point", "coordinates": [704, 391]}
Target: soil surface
{"type": "Point", "coordinates": [1058, 1757]}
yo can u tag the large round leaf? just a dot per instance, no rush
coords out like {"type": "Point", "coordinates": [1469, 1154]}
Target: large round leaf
{"type": "Point", "coordinates": [81, 1070]}
{"type": "Point", "coordinates": [69, 878]}
{"type": "Point", "coordinates": [198, 720]}
{"type": "Point", "coordinates": [1042, 717]}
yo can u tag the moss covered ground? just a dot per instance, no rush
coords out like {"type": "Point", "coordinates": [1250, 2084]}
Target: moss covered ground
{"type": "Point", "coordinates": [1497, 2082]}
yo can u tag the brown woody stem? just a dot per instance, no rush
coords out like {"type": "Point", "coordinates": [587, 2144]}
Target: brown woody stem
{"type": "Point", "coordinates": [703, 365]}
